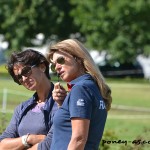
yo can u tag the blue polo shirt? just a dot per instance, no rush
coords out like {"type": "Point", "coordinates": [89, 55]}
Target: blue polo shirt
{"type": "Point", "coordinates": [83, 101]}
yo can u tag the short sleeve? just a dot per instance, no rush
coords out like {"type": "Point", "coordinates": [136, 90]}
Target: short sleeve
{"type": "Point", "coordinates": [80, 102]}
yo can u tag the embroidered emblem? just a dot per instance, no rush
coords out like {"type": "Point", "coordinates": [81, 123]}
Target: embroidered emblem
{"type": "Point", "coordinates": [80, 102]}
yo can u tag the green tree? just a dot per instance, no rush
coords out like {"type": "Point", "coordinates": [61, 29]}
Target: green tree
{"type": "Point", "coordinates": [121, 27]}
{"type": "Point", "coordinates": [22, 20]}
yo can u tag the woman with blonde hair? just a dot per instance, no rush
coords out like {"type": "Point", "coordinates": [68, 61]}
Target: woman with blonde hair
{"type": "Point", "coordinates": [79, 122]}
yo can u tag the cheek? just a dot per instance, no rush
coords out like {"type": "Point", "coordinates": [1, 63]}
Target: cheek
{"type": "Point", "coordinates": [72, 71]}
{"type": "Point", "coordinates": [72, 68]}
{"type": "Point", "coordinates": [38, 78]}
{"type": "Point", "coordinates": [37, 74]}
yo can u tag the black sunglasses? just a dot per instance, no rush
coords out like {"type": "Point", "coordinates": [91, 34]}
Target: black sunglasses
{"type": "Point", "coordinates": [26, 72]}
{"type": "Point", "coordinates": [59, 60]}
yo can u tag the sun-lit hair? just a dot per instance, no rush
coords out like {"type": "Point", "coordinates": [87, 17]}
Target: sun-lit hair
{"type": "Point", "coordinates": [75, 48]}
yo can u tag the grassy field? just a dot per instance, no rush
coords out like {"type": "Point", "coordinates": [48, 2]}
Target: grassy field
{"type": "Point", "coordinates": [132, 94]}
{"type": "Point", "coordinates": [121, 124]}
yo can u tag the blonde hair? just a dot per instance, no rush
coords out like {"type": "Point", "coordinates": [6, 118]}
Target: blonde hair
{"type": "Point", "coordinates": [75, 48]}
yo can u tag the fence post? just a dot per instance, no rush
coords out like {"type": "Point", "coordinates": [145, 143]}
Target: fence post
{"type": "Point", "coordinates": [4, 100]}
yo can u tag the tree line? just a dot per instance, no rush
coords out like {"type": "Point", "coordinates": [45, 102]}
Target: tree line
{"type": "Point", "coordinates": [119, 27]}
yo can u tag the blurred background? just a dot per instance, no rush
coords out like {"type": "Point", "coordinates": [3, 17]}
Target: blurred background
{"type": "Point", "coordinates": [117, 35]}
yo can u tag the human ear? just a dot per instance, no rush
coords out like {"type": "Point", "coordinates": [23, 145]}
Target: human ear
{"type": "Point", "coordinates": [42, 67]}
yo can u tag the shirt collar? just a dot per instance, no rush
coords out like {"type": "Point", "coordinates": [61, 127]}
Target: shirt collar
{"type": "Point", "coordinates": [35, 96]}
{"type": "Point", "coordinates": [73, 82]}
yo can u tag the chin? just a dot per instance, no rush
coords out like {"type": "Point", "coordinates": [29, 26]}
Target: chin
{"type": "Point", "coordinates": [65, 78]}
{"type": "Point", "coordinates": [31, 88]}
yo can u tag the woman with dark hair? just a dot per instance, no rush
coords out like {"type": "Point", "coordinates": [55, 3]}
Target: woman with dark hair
{"type": "Point", "coordinates": [32, 119]}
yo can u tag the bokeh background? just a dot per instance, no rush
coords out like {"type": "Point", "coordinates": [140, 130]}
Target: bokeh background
{"type": "Point", "coordinates": [117, 35]}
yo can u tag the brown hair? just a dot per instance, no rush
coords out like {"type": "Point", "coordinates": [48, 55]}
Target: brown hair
{"type": "Point", "coordinates": [28, 57]}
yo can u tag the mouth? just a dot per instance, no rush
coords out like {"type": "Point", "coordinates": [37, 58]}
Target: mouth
{"type": "Point", "coordinates": [60, 74]}
{"type": "Point", "coordinates": [29, 82]}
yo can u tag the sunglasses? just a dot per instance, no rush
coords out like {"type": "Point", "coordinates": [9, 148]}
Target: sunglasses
{"type": "Point", "coordinates": [59, 60]}
{"type": "Point", "coordinates": [26, 72]}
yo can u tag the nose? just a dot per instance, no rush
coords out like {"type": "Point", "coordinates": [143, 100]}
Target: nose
{"type": "Point", "coordinates": [24, 78]}
{"type": "Point", "coordinates": [58, 66]}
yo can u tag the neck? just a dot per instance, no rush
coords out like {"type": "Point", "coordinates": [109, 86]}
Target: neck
{"type": "Point", "coordinates": [43, 92]}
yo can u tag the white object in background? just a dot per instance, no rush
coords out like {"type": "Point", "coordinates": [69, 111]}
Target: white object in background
{"type": "Point", "coordinates": [4, 100]}
{"type": "Point", "coordinates": [145, 63]}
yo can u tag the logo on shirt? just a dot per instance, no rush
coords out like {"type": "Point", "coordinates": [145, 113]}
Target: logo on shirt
{"type": "Point", "coordinates": [102, 105]}
{"type": "Point", "coordinates": [80, 102]}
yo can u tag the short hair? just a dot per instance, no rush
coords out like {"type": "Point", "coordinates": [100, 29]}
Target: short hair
{"type": "Point", "coordinates": [28, 57]}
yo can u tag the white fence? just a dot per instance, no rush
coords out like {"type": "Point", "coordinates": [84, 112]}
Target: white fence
{"type": "Point", "coordinates": [5, 92]}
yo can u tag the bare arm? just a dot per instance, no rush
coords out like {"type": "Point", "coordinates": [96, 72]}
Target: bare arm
{"type": "Point", "coordinates": [35, 147]}
{"type": "Point", "coordinates": [80, 128]}
{"type": "Point", "coordinates": [34, 139]}
{"type": "Point", "coordinates": [11, 144]}
{"type": "Point", "coordinates": [16, 143]}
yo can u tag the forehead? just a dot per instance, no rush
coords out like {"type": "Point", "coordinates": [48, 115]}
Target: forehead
{"type": "Point", "coordinates": [60, 53]}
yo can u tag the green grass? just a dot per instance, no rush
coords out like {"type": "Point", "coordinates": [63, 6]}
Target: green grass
{"type": "Point", "coordinates": [134, 94]}
{"type": "Point", "coordinates": [131, 94]}
{"type": "Point", "coordinates": [3, 69]}
{"type": "Point", "coordinates": [123, 93]}
{"type": "Point", "coordinates": [129, 129]}
{"type": "Point", "coordinates": [15, 93]}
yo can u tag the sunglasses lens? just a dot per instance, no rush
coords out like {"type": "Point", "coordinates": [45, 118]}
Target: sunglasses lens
{"type": "Point", "coordinates": [53, 68]}
{"type": "Point", "coordinates": [60, 60]}
{"type": "Point", "coordinates": [26, 71]}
